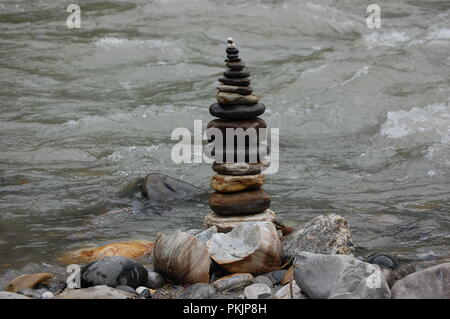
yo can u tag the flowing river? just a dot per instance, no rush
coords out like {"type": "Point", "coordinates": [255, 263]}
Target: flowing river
{"type": "Point", "coordinates": [363, 116]}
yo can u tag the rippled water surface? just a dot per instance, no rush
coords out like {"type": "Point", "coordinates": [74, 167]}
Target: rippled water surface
{"type": "Point", "coordinates": [364, 117]}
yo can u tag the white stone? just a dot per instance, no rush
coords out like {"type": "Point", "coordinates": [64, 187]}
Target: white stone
{"type": "Point", "coordinates": [257, 291]}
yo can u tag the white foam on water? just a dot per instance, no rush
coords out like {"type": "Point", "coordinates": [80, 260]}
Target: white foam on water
{"type": "Point", "coordinates": [115, 43]}
{"type": "Point", "coordinates": [442, 34]}
{"type": "Point", "coordinates": [387, 39]}
{"type": "Point", "coordinates": [360, 72]}
{"type": "Point", "coordinates": [433, 118]}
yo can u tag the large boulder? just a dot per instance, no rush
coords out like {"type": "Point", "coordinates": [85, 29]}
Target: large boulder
{"type": "Point", "coordinates": [429, 283]}
{"type": "Point", "coordinates": [182, 258]}
{"type": "Point", "coordinates": [113, 272]}
{"type": "Point", "coordinates": [339, 277]}
{"type": "Point", "coordinates": [165, 189]}
{"type": "Point", "coordinates": [325, 234]}
{"type": "Point", "coordinates": [251, 247]}
{"type": "Point", "coordinates": [97, 292]}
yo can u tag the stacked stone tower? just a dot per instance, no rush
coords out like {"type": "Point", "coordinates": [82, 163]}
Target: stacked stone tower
{"type": "Point", "coordinates": [238, 195]}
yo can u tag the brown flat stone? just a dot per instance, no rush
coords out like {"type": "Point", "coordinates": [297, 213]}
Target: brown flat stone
{"type": "Point", "coordinates": [243, 203]}
{"type": "Point", "coordinates": [231, 184]}
{"type": "Point", "coordinates": [237, 169]}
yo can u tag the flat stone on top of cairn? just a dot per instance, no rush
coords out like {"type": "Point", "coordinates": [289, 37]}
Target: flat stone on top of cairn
{"type": "Point", "coordinates": [238, 195]}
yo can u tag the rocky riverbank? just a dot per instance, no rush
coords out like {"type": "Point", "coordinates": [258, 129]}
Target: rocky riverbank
{"type": "Point", "coordinates": [252, 261]}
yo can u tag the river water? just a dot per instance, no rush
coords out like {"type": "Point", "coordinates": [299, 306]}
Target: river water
{"type": "Point", "coordinates": [364, 117]}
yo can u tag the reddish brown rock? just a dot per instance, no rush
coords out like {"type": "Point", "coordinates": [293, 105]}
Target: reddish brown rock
{"type": "Point", "coordinates": [249, 202]}
{"type": "Point", "coordinates": [130, 249]}
{"type": "Point", "coordinates": [231, 184]}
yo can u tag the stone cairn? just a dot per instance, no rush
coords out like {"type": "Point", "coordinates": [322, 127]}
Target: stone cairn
{"type": "Point", "coordinates": [238, 195]}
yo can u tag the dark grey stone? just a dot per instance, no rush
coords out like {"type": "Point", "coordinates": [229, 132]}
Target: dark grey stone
{"type": "Point", "coordinates": [236, 74]}
{"type": "Point", "coordinates": [382, 260]}
{"type": "Point", "coordinates": [237, 112]}
{"type": "Point", "coordinates": [235, 82]}
{"type": "Point", "coordinates": [162, 188]}
{"type": "Point", "coordinates": [113, 272]}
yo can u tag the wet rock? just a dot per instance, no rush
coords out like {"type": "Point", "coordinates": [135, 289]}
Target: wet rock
{"type": "Point", "coordinates": [251, 247]}
{"type": "Point", "coordinates": [289, 291]}
{"type": "Point", "coordinates": [276, 276]}
{"type": "Point", "coordinates": [244, 90]}
{"type": "Point", "coordinates": [155, 280]}
{"type": "Point", "coordinates": [325, 234]}
{"type": "Point", "coordinates": [240, 112]}
{"type": "Point", "coordinates": [429, 283]}
{"type": "Point", "coordinates": [263, 280]}
{"type": "Point", "coordinates": [162, 188]}
{"type": "Point", "coordinates": [27, 281]}
{"type": "Point", "coordinates": [339, 277]}
{"type": "Point", "coordinates": [243, 203]}
{"type": "Point", "coordinates": [237, 168]}
{"type": "Point", "coordinates": [382, 260]}
{"type": "Point", "coordinates": [257, 291]}
{"type": "Point", "coordinates": [234, 82]}
{"type": "Point", "coordinates": [167, 292]}
{"type": "Point", "coordinates": [182, 258]}
{"type": "Point", "coordinates": [228, 223]}
{"type": "Point", "coordinates": [198, 291]}
{"type": "Point", "coordinates": [126, 288]}
{"type": "Point", "coordinates": [113, 272]}
{"type": "Point", "coordinates": [232, 74]}
{"type": "Point", "coordinates": [53, 285]}
{"type": "Point", "coordinates": [130, 249]}
{"type": "Point", "coordinates": [11, 295]}
{"type": "Point", "coordinates": [235, 66]}
{"type": "Point", "coordinates": [230, 184]}
{"type": "Point", "coordinates": [233, 281]}
{"type": "Point", "coordinates": [97, 292]}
